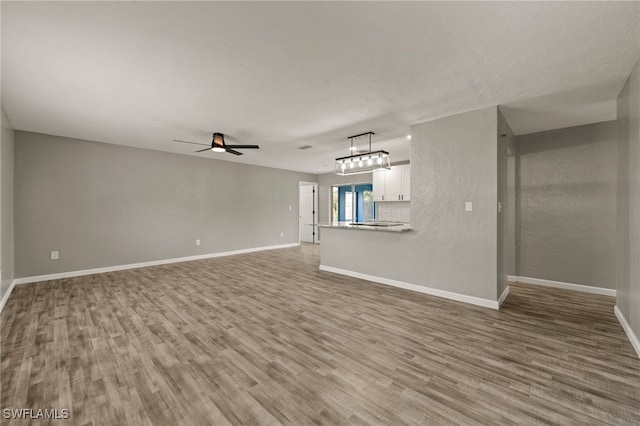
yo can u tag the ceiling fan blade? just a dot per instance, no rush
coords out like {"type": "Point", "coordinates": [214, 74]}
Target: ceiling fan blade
{"type": "Point", "coordinates": [194, 143]}
{"type": "Point", "coordinates": [243, 146]}
{"type": "Point", "coordinates": [232, 151]}
{"type": "Point", "coordinates": [202, 150]}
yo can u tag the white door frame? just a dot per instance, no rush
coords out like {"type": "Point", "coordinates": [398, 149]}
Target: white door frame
{"type": "Point", "coordinates": [315, 209]}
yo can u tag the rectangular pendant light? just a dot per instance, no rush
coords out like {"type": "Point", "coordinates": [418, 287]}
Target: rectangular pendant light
{"type": "Point", "coordinates": [362, 162]}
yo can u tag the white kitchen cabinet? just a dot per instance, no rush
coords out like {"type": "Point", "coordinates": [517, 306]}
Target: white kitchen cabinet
{"type": "Point", "coordinates": [393, 184]}
{"type": "Point", "coordinates": [379, 185]}
{"type": "Point", "coordinates": [406, 182]}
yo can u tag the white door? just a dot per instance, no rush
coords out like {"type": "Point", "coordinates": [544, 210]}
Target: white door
{"type": "Point", "coordinates": [306, 221]}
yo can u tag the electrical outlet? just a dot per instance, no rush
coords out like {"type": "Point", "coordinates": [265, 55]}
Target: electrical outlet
{"type": "Point", "coordinates": [468, 206]}
{"type": "Point", "coordinates": [55, 255]}
{"type": "Point", "coordinates": [290, 208]}
{"type": "Point", "coordinates": [197, 242]}
{"type": "Point", "coordinates": [282, 235]}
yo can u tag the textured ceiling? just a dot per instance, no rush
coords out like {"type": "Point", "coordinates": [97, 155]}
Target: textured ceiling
{"type": "Point", "coordinates": [284, 75]}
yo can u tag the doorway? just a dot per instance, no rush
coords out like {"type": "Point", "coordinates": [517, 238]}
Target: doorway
{"type": "Point", "coordinates": [307, 221]}
{"type": "Point", "coordinates": [352, 203]}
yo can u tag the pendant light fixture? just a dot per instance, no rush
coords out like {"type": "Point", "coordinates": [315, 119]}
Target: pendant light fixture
{"type": "Point", "coordinates": [362, 162]}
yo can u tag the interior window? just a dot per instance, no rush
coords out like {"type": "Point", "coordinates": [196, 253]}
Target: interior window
{"type": "Point", "coordinates": [352, 203]}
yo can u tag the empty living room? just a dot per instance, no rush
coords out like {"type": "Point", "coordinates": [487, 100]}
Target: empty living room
{"type": "Point", "coordinates": [330, 213]}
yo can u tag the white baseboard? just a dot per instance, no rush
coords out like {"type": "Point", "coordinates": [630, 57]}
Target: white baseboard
{"type": "Point", "coordinates": [635, 342]}
{"type": "Point", "coordinates": [503, 296]}
{"type": "Point", "coordinates": [566, 286]}
{"type": "Point", "coordinates": [493, 304]}
{"type": "Point", "coordinates": [38, 278]}
{"type": "Point", "coordinates": [7, 294]}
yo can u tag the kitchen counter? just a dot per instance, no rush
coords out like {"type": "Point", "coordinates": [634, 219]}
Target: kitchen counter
{"type": "Point", "coordinates": [373, 226]}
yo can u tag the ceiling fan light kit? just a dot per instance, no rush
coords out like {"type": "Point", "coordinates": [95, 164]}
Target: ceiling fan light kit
{"type": "Point", "coordinates": [217, 144]}
{"type": "Point", "coordinates": [370, 161]}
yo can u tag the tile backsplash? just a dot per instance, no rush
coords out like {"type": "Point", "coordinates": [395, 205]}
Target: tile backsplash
{"type": "Point", "coordinates": [394, 211]}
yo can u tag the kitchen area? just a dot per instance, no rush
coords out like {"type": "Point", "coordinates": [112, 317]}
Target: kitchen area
{"type": "Point", "coordinates": [375, 204]}
{"type": "Point", "coordinates": [379, 200]}
{"type": "Point", "coordinates": [365, 195]}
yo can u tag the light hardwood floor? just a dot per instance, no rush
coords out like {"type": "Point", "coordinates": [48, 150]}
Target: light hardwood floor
{"type": "Point", "coordinates": [266, 338]}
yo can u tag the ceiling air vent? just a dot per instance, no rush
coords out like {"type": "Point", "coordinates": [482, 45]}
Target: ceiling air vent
{"type": "Point", "coordinates": [304, 147]}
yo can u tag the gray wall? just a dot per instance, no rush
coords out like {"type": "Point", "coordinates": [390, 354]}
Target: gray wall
{"type": "Point", "coordinates": [453, 160]}
{"type": "Point", "coordinates": [505, 138]}
{"type": "Point", "coordinates": [628, 207]}
{"type": "Point", "coordinates": [102, 205]}
{"type": "Point", "coordinates": [567, 198]}
{"type": "Point", "coordinates": [6, 205]}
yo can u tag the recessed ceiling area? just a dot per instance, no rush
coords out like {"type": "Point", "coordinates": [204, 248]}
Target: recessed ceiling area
{"type": "Point", "coordinates": [285, 75]}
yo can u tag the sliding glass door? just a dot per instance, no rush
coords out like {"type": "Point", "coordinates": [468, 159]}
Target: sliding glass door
{"type": "Point", "coordinates": [352, 203]}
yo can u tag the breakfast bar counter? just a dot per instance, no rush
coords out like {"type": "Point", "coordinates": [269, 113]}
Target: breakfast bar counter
{"type": "Point", "coordinates": [369, 226]}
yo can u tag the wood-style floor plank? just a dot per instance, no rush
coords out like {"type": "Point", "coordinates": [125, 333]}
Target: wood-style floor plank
{"type": "Point", "coordinates": [267, 338]}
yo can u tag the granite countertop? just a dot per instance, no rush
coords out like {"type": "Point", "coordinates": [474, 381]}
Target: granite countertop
{"type": "Point", "coordinates": [374, 226]}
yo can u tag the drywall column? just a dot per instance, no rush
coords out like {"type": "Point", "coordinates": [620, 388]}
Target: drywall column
{"type": "Point", "coordinates": [6, 206]}
{"type": "Point", "coordinates": [506, 255]}
{"type": "Point", "coordinates": [454, 161]}
{"type": "Point", "coordinates": [512, 204]}
{"type": "Point", "coordinates": [628, 209]}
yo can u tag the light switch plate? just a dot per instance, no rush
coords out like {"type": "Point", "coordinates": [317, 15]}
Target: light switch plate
{"type": "Point", "coordinates": [197, 242]}
{"type": "Point", "coordinates": [55, 255]}
{"type": "Point", "coordinates": [468, 206]}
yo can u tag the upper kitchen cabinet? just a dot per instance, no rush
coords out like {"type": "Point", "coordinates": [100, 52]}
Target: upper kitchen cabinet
{"type": "Point", "coordinates": [393, 184]}
{"type": "Point", "coordinates": [379, 185]}
{"type": "Point", "coordinates": [406, 182]}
